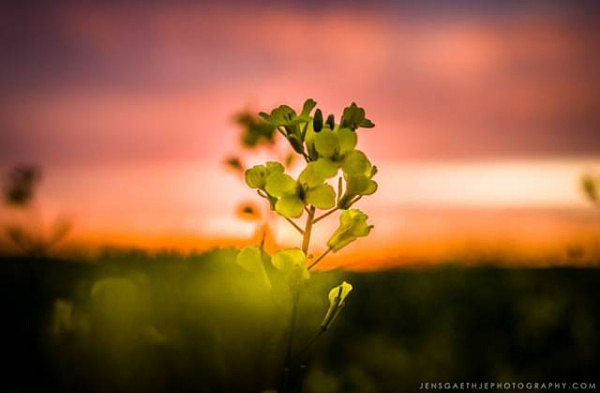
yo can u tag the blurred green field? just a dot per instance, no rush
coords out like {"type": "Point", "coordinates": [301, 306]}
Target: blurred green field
{"type": "Point", "coordinates": [133, 322]}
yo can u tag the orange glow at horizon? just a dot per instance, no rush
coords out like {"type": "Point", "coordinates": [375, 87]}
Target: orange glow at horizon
{"type": "Point", "coordinates": [422, 211]}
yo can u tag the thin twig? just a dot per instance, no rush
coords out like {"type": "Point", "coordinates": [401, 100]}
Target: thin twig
{"type": "Point", "coordinates": [294, 225]}
{"type": "Point", "coordinates": [263, 238]}
{"type": "Point", "coordinates": [355, 200]}
{"type": "Point", "coordinates": [326, 214]}
{"type": "Point", "coordinates": [309, 344]}
{"type": "Point", "coordinates": [319, 258]}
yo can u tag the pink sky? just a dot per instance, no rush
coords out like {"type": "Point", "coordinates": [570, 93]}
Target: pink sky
{"type": "Point", "coordinates": [128, 108]}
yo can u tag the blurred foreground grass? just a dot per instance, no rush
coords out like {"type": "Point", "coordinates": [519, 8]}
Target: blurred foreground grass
{"type": "Point", "coordinates": [132, 322]}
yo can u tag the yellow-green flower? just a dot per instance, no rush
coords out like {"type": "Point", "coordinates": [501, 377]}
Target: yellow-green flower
{"type": "Point", "coordinates": [292, 195]}
{"type": "Point", "coordinates": [358, 173]}
{"type": "Point", "coordinates": [332, 148]}
{"type": "Point", "coordinates": [353, 224]}
{"type": "Point", "coordinates": [256, 177]}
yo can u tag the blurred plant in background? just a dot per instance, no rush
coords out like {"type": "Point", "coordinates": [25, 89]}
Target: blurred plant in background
{"type": "Point", "coordinates": [256, 134]}
{"type": "Point", "coordinates": [590, 184]}
{"type": "Point", "coordinates": [28, 235]}
{"type": "Point", "coordinates": [327, 149]}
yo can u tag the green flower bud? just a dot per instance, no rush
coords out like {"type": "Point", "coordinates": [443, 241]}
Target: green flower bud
{"type": "Point", "coordinates": [318, 121]}
{"type": "Point", "coordinates": [354, 117]}
{"type": "Point", "coordinates": [330, 121]}
{"type": "Point", "coordinates": [337, 298]}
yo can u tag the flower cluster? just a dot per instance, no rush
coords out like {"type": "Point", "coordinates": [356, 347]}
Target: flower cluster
{"type": "Point", "coordinates": [329, 149]}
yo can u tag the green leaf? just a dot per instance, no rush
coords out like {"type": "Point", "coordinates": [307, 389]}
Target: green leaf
{"type": "Point", "coordinates": [356, 163]}
{"type": "Point", "coordinates": [353, 224]}
{"type": "Point", "coordinates": [321, 196]}
{"type": "Point", "coordinates": [280, 116]}
{"type": "Point", "coordinates": [250, 259]}
{"type": "Point", "coordinates": [290, 206]}
{"type": "Point", "coordinates": [366, 123]}
{"type": "Point", "coordinates": [285, 116]}
{"type": "Point", "coordinates": [280, 184]}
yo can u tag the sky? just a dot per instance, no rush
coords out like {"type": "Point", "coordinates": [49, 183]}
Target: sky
{"type": "Point", "coordinates": [483, 110]}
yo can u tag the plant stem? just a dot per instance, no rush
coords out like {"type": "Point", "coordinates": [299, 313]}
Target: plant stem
{"type": "Point", "coordinates": [294, 225]}
{"type": "Point", "coordinates": [309, 344]}
{"type": "Point", "coordinates": [296, 296]}
{"type": "Point", "coordinates": [307, 229]}
{"type": "Point", "coordinates": [263, 238]}
{"type": "Point", "coordinates": [326, 214]}
{"type": "Point", "coordinates": [319, 258]}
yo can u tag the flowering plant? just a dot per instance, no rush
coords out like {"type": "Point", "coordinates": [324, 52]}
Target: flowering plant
{"type": "Point", "coordinates": [330, 155]}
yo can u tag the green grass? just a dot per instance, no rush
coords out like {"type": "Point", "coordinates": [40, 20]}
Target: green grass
{"type": "Point", "coordinates": [130, 322]}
